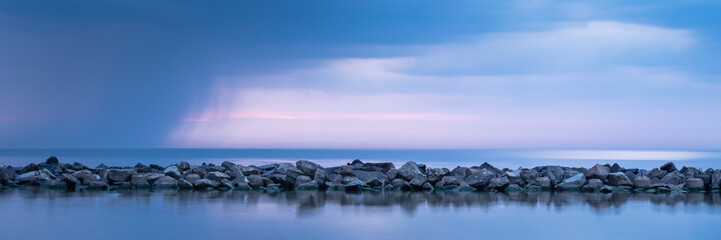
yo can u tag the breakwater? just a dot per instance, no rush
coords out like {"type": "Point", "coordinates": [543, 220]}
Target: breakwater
{"type": "Point", "coordinates": [305, 175]}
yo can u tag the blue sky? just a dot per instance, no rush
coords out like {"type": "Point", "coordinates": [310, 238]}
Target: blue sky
{"type": "Point", "coordinates": [360, 74]}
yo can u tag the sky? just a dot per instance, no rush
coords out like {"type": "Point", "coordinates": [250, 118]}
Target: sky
{"type": "Point", "coordinates": [361, 74]}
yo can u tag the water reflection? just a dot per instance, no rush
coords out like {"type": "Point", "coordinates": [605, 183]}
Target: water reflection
{"type": "Point", "coordinates": [307, 203]}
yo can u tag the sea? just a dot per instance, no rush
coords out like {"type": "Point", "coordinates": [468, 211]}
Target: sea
{"type": "Point", "coordinates": [36, 213]}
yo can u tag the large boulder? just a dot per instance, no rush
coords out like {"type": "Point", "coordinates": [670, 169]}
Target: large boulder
{"type": "Point", "coordinates": [673, 178]}
{"type": "Point", "coordinates": [514, 177]}
{"type": "Point", "coordinates": [255, 181]}
{"type": "Point", "coordinates": [619, 179]}
{"type": "Point", "coordinates": [165, 182]}
{"type": "Point", "coordinates": [282, 168]}
{"type": "Point", "coordinates": [205, 183]}
{"type": "Point", "coordinates": [593, 185]}
{"type": "Point", "coordinates": [668, 167]}
{"type": "Point", "coordinates": [117, 175]}
{"type": "Point", "coordinates": [308, 186]}
{"type": "Point", "coordinates": [86, 177]}
{"type": "Point", "coordinates": [308, 168]}
{"type": "Point", "coordinates": [544, 183]}
{"type": "Point", "coordinates": [418, 181]}
{"type": "Point", "coordinates": [192, 177]}
{"type": "Point", "coordinates": [139, 180]}
{"type": "Point", "coordinates": [497, 183]}
{"type": "Point", "coordinates": [598, 171]}
{"type": "Point", "coordinates": [573, 183]}
{"type": "Point", "coordinates": [392, 173]}
{"type": "Point", "coordinates": [368, 177]}
{"type": "Point", "coordinates": [435, 174]}
{"type": "Point", "coordinates": [35, 177]}
{"type": "Point", "coordinates": [217, 176]}
{"type": "Point", "coordinates": [694, 184]}
{"type": "Point", "coordinates": [183, 166]}
{"type": "Point", "coordinates": [409, 170]}
{"type": "Point", "coordinates": [172, 171]}
{"type": "Point", "coordinates": [301, 180]}
{"type": "Point", "coordinates": [460, 172]}
{"type": "Point", "coordinates": [716, 179]}
{"type": "Point", "coordinates": [657, 174]}
{"type": "Point", "coordinates": [184, 184]}
{"type": "Point", "coordinates": [7, 176]}
{"type": "Point", "coordinates": [641, 182]}
{"type": "Point", "coordinates": [480, 179]}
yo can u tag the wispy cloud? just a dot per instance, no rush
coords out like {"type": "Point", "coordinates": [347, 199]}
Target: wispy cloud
{"type": "Point", "coordinates": [577, 85]}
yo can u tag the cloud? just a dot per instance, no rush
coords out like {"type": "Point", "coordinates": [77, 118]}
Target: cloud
{"type": "Point", "coordinates": [593, 84]}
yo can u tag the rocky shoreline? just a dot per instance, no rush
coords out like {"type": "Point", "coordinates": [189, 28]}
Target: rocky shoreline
{"type": "Point", "coordinates": [305, 175]}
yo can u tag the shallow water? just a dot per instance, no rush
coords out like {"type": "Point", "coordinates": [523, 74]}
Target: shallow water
{"type": "Point", "coordinates": [35, 213]}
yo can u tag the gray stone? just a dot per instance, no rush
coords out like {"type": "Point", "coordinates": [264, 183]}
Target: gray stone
{"type": "Point", "coordinates": [192, 177]}
{"type": "Point", "coordinates": [86, 177]}
{"type": "Point", "coordinates": [308, 186]}
{"type": "Point", "coordinates": [183, 166]}
{"type": "Point", "coordinates": [573, 183]}
{"type": "Point", "coordinates": [619, 179]}
{"type": "Point", "coordinates": [283, 168]}
{"type": "Point", "coordinates": [641, 182]}
{"type": "Point", "coordinates": [450, 181]}
{"type": "Point", "coordinates": [58, 184]}
{"type": "Point", "coordinates": [528, 175]}
{"type": "Point", "coordinates": [392, 173]}
{"type": "Point", "coordinates": [35, 177]}
{"type": "Point", "coordinates": [657, 174]}
{"type": "Point", "coordinates": [116, 175]}
{"type": "Point", "coordinates": [615, 168]}
{"type": "Point", "coordinates": [217, 176]}
{"type": "Point", "coordinates": [669, 167]}
{"type": "Point", "coordinates": [320, 175]}
{"type": "Point", "coordinates": [205, 183]}
{"type": "Point", "coordinates": [301, 180]}
{"type": "Point", "coordinates": [593, 185]}
{"type": "Point", "coordinates": [152, 177]}
{"type": "Point", "coordinates": [165, 182]}
{"type": "Point", "coordinates": [716, 179]}
{"type": "Point", "coordinates": [480, 179]}
{"type": "Point", "coordinates": [544, 183]}
{"type": "Point", "coordinates": [460, 172]}
{"type": "Point", "coordinates": [435, 174]}
{"type": "Point", "coordinates": [184, 184]}
{"type": "Point", "coordinates": [418, 181]}
{"type": "Point", "coordinates": [400, 183]}
{"type": "Point", "coordinates": [598, 171]}
{"type": "Point", "coordinates": [98, 185]}
{"type": "Point", "coordinates": [694, 184]}
{"type": "Point", "coordinates": [673, 178]}
{"type": "Point", "coordinates": [409, 170]}
{"type": "Point", "coordinates": [172, 171]}
{"type": "Point", "coordinates": [498, 183]}
{"type": "Point", "coordinates": [7, 176]}
{"type": "Point", "coordinates": [354, 185]}
{"type": "Point", "coordinates": [255, 181]}
{"type": "Point", "coordinates": [514, 177]}
{"type": "Point", "coordinates": [308, 168]}
{"type": "Point", "coordinates": [139, 180]}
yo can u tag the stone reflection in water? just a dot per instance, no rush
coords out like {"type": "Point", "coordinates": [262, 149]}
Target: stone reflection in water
{"type": "Point", "coordinates": [310, 202]}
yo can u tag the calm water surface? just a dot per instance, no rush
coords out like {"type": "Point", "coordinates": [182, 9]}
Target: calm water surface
{"type": "Point", "coordinates": [42, 214]}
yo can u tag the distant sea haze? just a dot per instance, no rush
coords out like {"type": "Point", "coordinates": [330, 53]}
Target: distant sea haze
{"type": "Point", "coordinates": [332, 157]}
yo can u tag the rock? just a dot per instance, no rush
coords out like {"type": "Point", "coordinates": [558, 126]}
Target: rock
{"type": "Point", "coordinates": [193, 177]}
{"type": "Point", "coordinates": [308, 186]}
{"type": "Point", "coordinates": [513, 188]}
{"type": "Point", "coordinates": [228, 165]}
{"type": "Point", "coordinates": [409, 170]}
{"type": "Point", "coordinates": [242, 186]}
{"type": "Point", "coordinates": [427, 186]}
{"type": "Point", "coordinates": [152, 177]}
{"type": "Point", "coordinates": [308, 168]}
{"type": "Point", "coordinates": [98, 185]}
{"type": "Point", "coordinates": [139, 180]}
{"type": "Point", "coordinates": [183, 166]}
{"type": "Point", "coordinates": [35, 177]}
{"type": "Point", "coordinates": [498, 183]}
{"type": "Point", "coordinates": [283, 168]}
{"type": "Point", "coordinates": [435, 174]}
{"type": "Point", "coordinates": [694, 185]}
{"type": "Point", "coordinates": [205, 183]}
{"type": "Point", "coordinates": [58, 184]}
{"type": "Point", "coordinates": [355, 185]}
{"type": "Point", "coordinates": [392, 173]}
{"type": "Point", "coordinates": [217, 176]}
{"type": "Point", "coordinates": [673, 178]}
{"type": "Point", "coordinates": [70, 180]}
{"type": "Point", "coordinates": [165, 182]}
{"type": "Point", "coordinates": [115, 175]}
{"type": "Point", "coordinates": [668, 167]}
{"type": "Point", "coordinates": [514, 177]}
{"type": "Point", "coordinates": [255, 181]}
{"type": "Point", "coordinates": [593, 185]}
{"type": "Point", "coordinates": [302, 179]}
{"type": "Point", "coordinates": [418, 181]}
{"type": "Point", "coordinates": [184, 184]}
{"type": "Point", "coordinates": [480, 179]}
{"type": "Point", "coordinates": [615, 168]}
{"type": "Point", "coordinates": [460, 172]}
{"type": "Point", "coordinates": [619, 179]}
{"type": "Point", "coordinates": [657, 173]}
{"type": "Point", "coordinates": [598, 171]}
{"type": "Point", "coordinates": [400, 183]}
{"type": "Point", "coordinates": [86, 177]}
{"type": "Point", "coordinates": [544, 183]}
{"type": "Point", "coordinates": [30, 168]}
{"type": "Point", "coordinates": [225, 185]}
{"type": "Point", "coordinates": [383, 167]}
{"type": "Point", "coordinates": [172, 171]}
{"type": "Point", "coordinates": [716, 179]}
{"type": "Point", "coordinates": [345, 171]}
{"type": "Point", "coordinates": [528, 175]}
{"type": "Point", "coordinates": [450, 181]}
{"type": "Point", "coordinates": [641, 182]}
{"type": "Point", "coordinates": [52, 160]}
{"type": "Point", "coordinates": [7, 176]}
{"type": "Point", "coordinates": [573, 183]}
{"type": "Point", "coordinates": [320, 175]}
{"type": "Point", "coordinates": [606, 189]}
